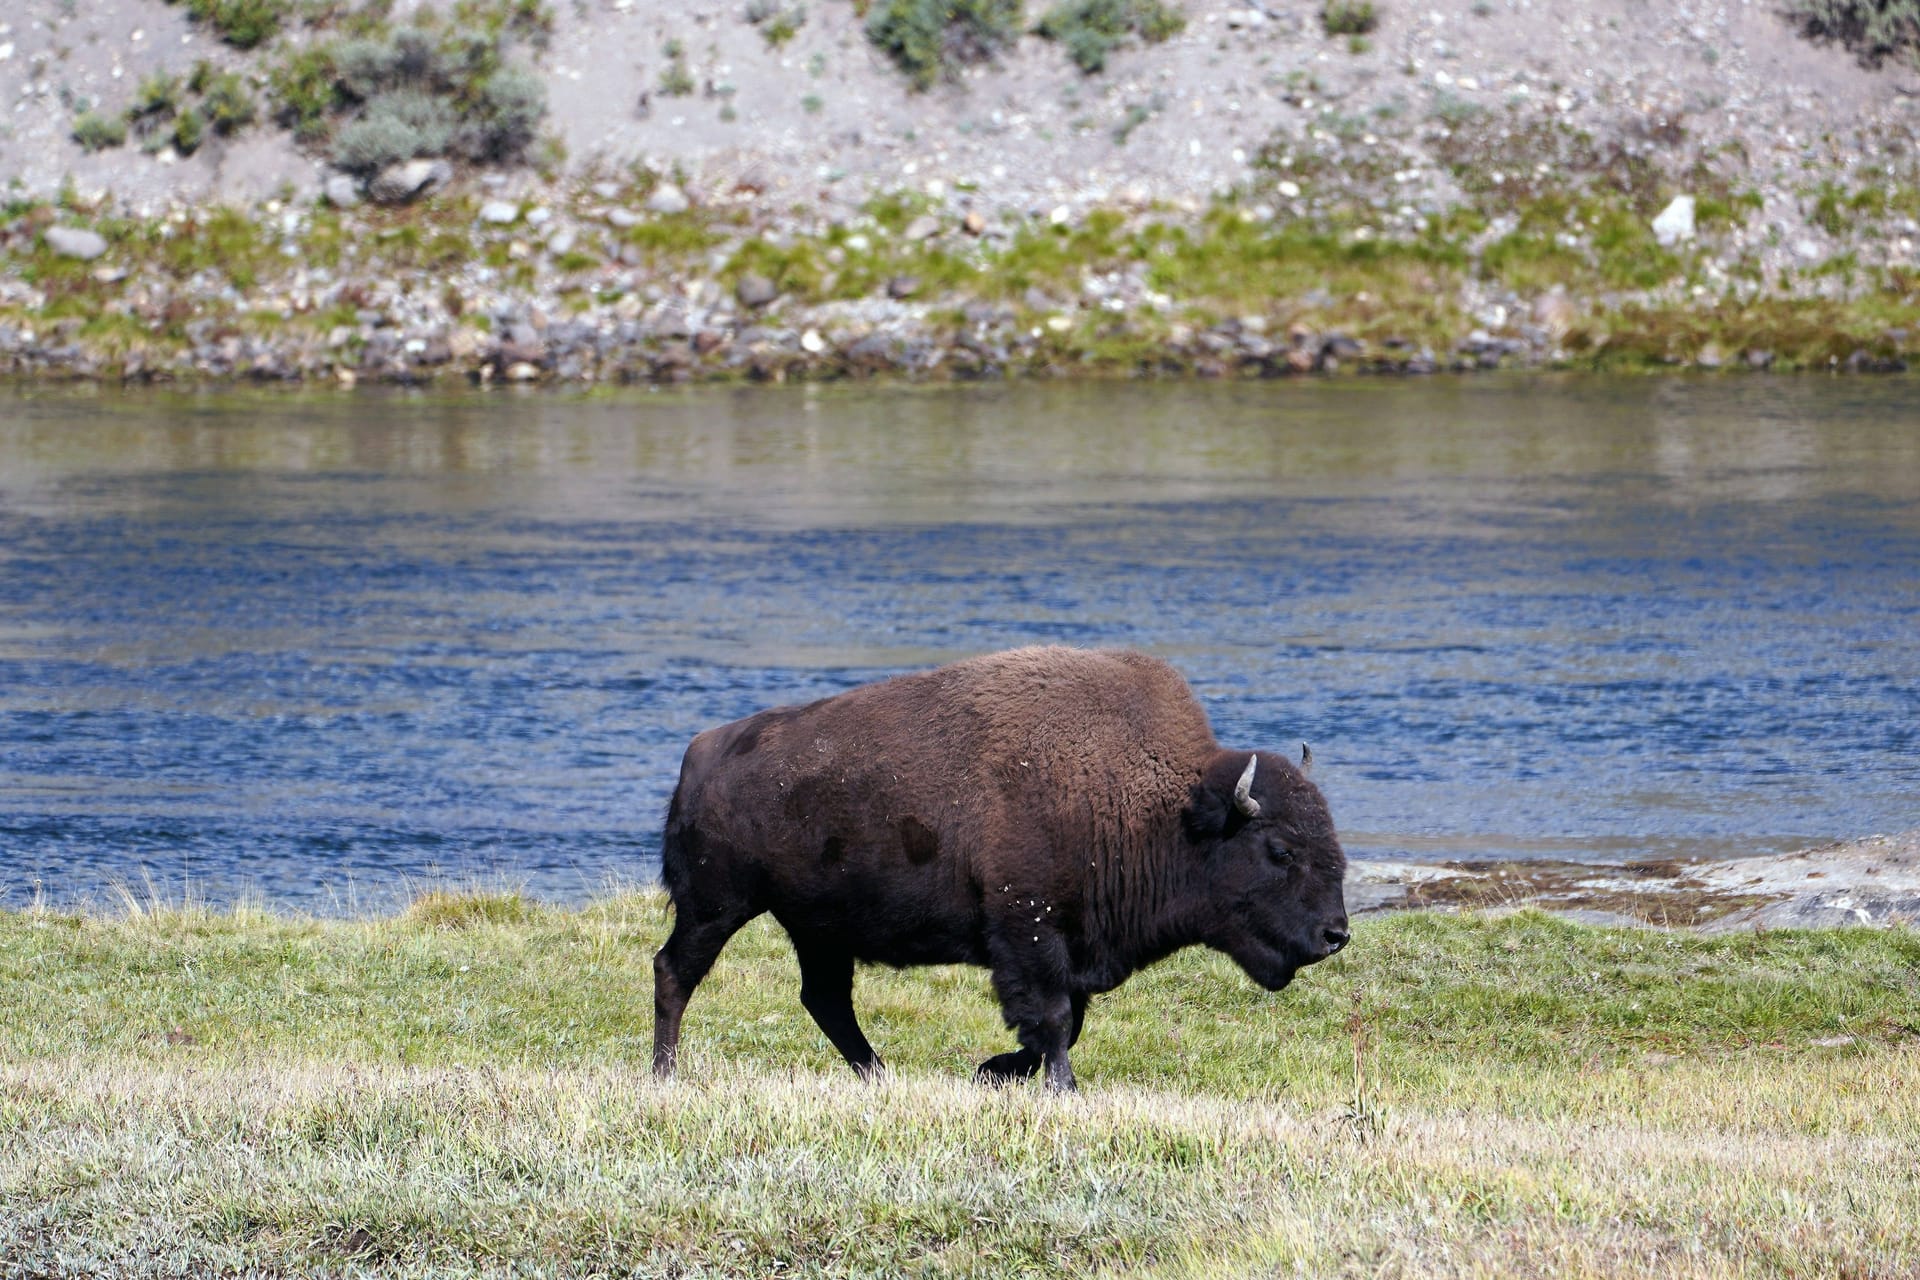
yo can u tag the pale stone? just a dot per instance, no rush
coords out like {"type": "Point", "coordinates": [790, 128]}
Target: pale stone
{"type": "Point", "coordinates": [1675, 223]}
{"type": "Point", "coordinates": [341, 191]}
{"type": "Point", "coordinates": [668, 198]}
{"type": "Point", "coordinates": [76, 242]}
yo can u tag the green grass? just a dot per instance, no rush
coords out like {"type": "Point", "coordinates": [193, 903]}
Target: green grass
{"type": "Point", "coordinates": [462, 1089]}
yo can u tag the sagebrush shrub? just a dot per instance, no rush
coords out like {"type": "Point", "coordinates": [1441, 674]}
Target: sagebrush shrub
{"type": "Point", "coordinates": [1349, 17]}
{"type": "Point", "coordinates": [1873, 29]}
{"type": "Point", "coordinates": [419, 91]}
{"type": "Point", "coordinates": [1092, 29]}
{"type": "Point", "coordinates": [399, 125]}
{"type": "Point", "coordinates": [241, 23]}
{"type": "Point", "coordinates": [96, 131]}
{"type": "Point", "coordinates": [932, 38]}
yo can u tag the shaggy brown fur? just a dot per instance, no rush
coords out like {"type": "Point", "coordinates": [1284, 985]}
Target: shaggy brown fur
{"type": "Point", "coordinates": [1061, 816]}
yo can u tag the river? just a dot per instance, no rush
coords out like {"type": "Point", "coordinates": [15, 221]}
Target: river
{"type": "Point", "coordinates": [324, 651]}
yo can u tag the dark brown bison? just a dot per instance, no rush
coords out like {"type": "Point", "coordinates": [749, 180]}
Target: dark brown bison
{"type": "Point", "coordinates": [1062, 817]}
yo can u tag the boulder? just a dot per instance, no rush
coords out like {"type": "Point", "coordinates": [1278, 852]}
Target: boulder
{"type": "Point", "coordinates": [408, 180]}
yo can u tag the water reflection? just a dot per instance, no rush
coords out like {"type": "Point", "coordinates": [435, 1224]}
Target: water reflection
{"type": "Point", "coordinates": [319, 644]}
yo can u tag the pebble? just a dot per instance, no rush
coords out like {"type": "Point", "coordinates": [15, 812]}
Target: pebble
{"type": "Point", "coordinates": [499, 212]}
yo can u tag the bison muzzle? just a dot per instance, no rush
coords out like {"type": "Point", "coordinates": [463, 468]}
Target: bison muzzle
{"type": "Point", "coordinates": [1063, 817]}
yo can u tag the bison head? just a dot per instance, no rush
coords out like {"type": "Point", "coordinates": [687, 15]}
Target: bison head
{"type": "Point", "coordinates": [1272, 868]}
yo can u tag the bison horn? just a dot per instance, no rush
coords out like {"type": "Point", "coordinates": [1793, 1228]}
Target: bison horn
{"type": "Point", "coordinates": [1306, 757]}
{"type": "Point", "coordinates": [1243, 791]}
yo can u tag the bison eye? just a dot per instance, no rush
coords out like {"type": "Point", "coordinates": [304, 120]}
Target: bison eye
{"type": "Point", "coordinates": [1278, 853]}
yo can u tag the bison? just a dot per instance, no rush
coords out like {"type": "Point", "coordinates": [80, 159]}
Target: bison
{"type": "Point", "coordinates": [1063, 817]}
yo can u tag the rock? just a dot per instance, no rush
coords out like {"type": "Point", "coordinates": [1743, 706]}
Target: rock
{"type": "Point", "coordinates": [561, 242]}
{"type": "Point", "coordinates": [903, 286]}
{"type": "Point", "coordinates": [1554, 312]}
{"type": "Point", "coordinates": [1711, 356]}
{"type": "Point", "coordinates": [500, 212]}
{"type": "Point", "coordinates": [409, 180]}
{"type": "Point", "coordinates": [1759, 358]}
{"type": "Point", "coordinates": [76, 242]}
{"type": "Point", "coordinates": [341, 191]}
{"type": "Point", "coordinates": [812, 343]}
{"type": "Point", "coordinates": [522, 371]}
{"type": "Point", "coordinates": [606, 190]}
{"type": "Point", "coordinates": [755, 291]}
{"type": "Point", "coordinates": [1289, 188]}
{"type": "Point", "coordinates": [924, 227]}
{"type": "Point", "coordinates": [975, 223]}
{"type": "Point", "coordinates": [622, 218]}
{"type": "Point", "coordinates": [1675, 223]}
{"type": "Point", "coordinates": [668, 198]}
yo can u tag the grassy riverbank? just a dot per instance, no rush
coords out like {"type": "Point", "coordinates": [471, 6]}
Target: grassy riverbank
{"type": "Point", "coordinates": [463, 1089]}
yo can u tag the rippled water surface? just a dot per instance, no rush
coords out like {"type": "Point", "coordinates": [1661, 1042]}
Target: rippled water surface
{"type": "Point", "coordinates": [326, 650]}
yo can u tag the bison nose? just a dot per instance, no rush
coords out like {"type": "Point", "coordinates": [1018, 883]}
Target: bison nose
{"type": "Point", "coordinates": [1337, 937]}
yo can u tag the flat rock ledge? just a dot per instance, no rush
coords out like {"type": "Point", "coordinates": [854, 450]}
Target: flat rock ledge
{"type": "Point", "coordinates": [1870, 881]}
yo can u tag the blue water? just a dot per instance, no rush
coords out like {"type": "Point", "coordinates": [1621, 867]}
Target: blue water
{"type": "Point", "coordinates": [328, 651]}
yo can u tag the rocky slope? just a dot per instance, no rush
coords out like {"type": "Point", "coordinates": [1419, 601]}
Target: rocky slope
{"type": "Point", "coordinates": [1472, 183]}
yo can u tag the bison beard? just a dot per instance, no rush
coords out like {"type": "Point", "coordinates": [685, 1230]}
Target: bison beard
{"type": "Point", "coordinates": [1063, 817]}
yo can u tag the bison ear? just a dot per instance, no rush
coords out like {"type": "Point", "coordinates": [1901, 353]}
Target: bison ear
{"type": "Point", "coordinates": [1213, 811]}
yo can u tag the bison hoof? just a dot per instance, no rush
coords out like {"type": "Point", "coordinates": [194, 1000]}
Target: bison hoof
{"type": "Point", "coordinates": [1006, 1068]}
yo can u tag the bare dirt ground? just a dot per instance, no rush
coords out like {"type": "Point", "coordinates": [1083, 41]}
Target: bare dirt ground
{"type": "Point", "coordinates": [1870, 881]}
{"type": "Point", "coordinates": [826, 120]}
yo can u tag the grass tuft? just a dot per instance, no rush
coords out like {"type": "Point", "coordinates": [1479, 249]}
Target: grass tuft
{"type": "Point", "coordinates": [446, 909]}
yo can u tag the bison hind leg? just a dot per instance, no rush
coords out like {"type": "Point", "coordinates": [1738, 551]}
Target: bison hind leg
{"type": "Point", "coordinates": [826, 992]}
{"type": "Point", "coordinates": [689, 952]}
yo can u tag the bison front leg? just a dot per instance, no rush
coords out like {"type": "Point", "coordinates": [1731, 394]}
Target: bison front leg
{"type": "Point", "coordinates": [1030, 977]}
{"type": "Point", "coordinates": [1005, 1068]}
